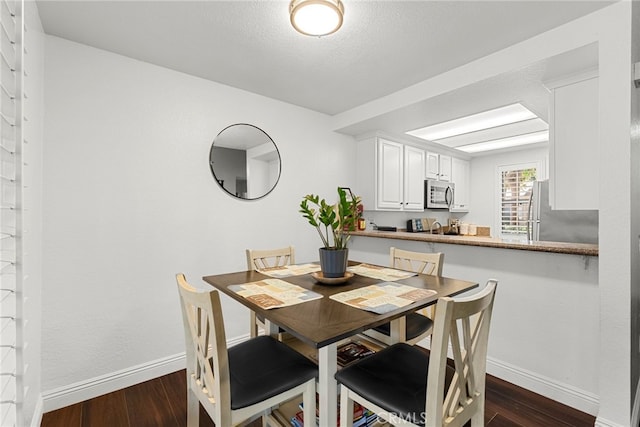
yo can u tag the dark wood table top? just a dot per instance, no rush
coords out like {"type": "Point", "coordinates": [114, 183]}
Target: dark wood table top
{"type": "Point", "coordinates": [324, 321]}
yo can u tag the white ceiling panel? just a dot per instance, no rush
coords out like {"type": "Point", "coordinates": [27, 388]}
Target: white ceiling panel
{"type": "Point", "coordinates": [384, 46]}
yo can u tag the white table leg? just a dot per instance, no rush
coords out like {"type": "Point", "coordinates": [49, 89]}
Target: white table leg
{"type": "Point", "coordinates": [271, 329]}
{"type": "Point", "coordinates": [398, 330]}
{"type": "Point", "coordinates": [328, 386]}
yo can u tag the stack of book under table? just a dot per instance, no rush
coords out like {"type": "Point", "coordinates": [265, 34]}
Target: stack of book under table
{"type": "Point", "coordinates": [347, 354]}
{"type": "Point", "coordinates": [362, 417]}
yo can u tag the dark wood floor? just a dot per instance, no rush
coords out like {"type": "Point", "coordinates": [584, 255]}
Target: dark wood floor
{"type": "Point", "coordinates": [161, 402]}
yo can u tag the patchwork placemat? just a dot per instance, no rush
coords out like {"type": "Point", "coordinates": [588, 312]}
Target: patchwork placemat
{"type": "Point", "coordinates": [382, 297]}
{"type": "Point", "coordinates": [290, 270]}
{"type": "Point", "coordinates": [274, 293]}
{"type": "Point", "coordinates": [380, 273]}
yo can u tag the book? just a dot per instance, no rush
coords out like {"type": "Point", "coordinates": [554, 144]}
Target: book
{"type": "Point", "coordinates": [352, 351]}
{"type": "Point", "coordinates": [362, 417]}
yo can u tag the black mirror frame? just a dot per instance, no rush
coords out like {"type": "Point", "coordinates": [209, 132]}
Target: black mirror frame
{"type": "Point", "coordinates": [220, 182]}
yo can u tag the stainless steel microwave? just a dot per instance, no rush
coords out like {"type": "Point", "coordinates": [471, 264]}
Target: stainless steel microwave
{"type": "Point", "coordinates": [438, 194]}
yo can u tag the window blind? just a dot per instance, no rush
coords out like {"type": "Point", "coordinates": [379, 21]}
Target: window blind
{"type": "Point", "coordinates": [516, 185]}
{"type": "Point", "coordinates": [11, 186]}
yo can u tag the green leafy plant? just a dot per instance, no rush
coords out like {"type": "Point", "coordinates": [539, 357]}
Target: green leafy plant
{"type": "Point", "coordinates": [333, 222]}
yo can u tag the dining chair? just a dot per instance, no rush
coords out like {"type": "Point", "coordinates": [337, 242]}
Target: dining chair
{"type": "Point", "coordinates": [415, 326]}
{"type": "Point", "coordinates": [260, 260]}
{"type": "Point", "coordinates": [405, 385]}
{"type": "Point", "coordinates": [245, 381]}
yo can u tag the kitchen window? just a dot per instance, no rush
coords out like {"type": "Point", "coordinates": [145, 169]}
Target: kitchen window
{"type": "Point", "coordinates": [516, 185]}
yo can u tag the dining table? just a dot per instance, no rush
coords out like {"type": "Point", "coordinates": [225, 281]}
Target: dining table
{"type": "Point", "coordinates": [325, 320]}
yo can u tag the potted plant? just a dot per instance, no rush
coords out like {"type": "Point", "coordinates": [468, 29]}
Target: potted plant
{"type": "Point", "coordinates": [333, 223]}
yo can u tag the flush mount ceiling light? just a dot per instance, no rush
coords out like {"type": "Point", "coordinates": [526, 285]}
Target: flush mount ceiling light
{"type": "Point", "coordinates": [512, 141]}
{"type": "Point", "coordinates": [508, 126]}
{"type": "Point", "coordinates": [487, 119]}
{"type": "Point", "coordinates": [316, 17]}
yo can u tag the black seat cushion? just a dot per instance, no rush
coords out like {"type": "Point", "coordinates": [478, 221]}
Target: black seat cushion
{"type": "Point", "coordinates": [416, 325]}
{"type": "Point", "coordinates": [394, 379]}
{"type": "Point", "coordinates": [263, 367]}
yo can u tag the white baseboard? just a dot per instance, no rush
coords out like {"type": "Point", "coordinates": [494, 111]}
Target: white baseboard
{"type": "Point", "coordinates": [568, 395]}
{"type": "Point", "coordinates": [88, 389]}
{"type": "Point", "coordinates": [93, 387]}
{"type": "Point", "coordinates": [606, 423]}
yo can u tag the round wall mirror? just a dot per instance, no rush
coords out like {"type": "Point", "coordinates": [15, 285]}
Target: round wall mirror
{"type": "Point", "coordinates": [245, 161]}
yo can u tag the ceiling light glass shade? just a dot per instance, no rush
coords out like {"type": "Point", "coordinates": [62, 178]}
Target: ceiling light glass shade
{"type": "Point", "coordinates": [485, 120]}
{"type": "Point", "coordinates": [498, 132]}
{"type": "Point", "coordinates": [513, 141]}
{"type": "Point", "coordinates": [316, 17]}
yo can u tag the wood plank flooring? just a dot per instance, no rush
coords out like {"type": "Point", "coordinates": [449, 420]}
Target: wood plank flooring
{"type": "Point", "coordinates": [161, 402]}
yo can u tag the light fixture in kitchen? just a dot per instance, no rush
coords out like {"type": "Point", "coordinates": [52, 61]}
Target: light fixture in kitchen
{"type": "Point", "coordinates": [508, 126]}
{"type": "Point", "coordinates": [316, 17]}
{"type": "Point", "coordinates": [511, 141]}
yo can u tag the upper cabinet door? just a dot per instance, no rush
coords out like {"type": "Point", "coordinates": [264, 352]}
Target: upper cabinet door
{"type": "Point", "coordinates": [445, 168]}
{"type": "Point", "coordinates": [460, 174]}
{"type": "Point", "coordinates": [573, 146]}
{"type": "Point", "coordinates": [438, 167]}
{"type": "Point", "coordinates": [390, 175]}
{"type": "Point", "coordinates": [432, 166]}
{"type": "Point", "coordinates": [413, 178]}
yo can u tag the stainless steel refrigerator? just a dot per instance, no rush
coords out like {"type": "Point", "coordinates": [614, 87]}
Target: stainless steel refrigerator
{"type": "Point", "coordinates": [545, 224]}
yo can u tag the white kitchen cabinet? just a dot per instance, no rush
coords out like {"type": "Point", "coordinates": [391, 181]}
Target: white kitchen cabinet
{"type": "Point", "coordinates": [390, 182]}
{"type": "Point", "coordinates": [432, 165]}
{"type": "Point", "coordinates": [390, 175]}
{"type": "Point", "coordinates": [445, 168]}
{"type": "Point", "coordinates": [413, 179]}
{"type": "Point", "coordinates": [460, 176]}
{"type": "Point", "coordinates": [573, 144]}
{"type": "Point", "coordinates": [438, 166]}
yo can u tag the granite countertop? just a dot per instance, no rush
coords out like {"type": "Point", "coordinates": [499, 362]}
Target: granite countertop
{"type": "Point", "coordinates": [552, 247]}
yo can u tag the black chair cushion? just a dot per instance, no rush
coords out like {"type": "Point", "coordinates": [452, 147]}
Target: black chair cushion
{"type": "Point", "coordinates": [394, 379]}
{"type": "Point", "coordinates": [416, 324]}
{"type": "Point", "coordinates": [263, 367]}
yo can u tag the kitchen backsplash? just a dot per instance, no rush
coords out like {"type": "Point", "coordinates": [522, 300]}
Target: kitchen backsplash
{"type": "Point", "coordinates": [399, 219]}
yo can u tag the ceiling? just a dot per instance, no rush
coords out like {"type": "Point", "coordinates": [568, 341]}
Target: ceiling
{"type": "Point", "coordinates": [384, 46]}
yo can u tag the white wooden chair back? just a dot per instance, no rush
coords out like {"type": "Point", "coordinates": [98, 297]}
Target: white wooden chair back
{"type": "Point", "coordinates": [261, 259]}
{"type": "Point", "coordinates": [417, 262]}
{"type": "Point", "coordinates": [463, 324]}
{"type": "Point", "coordinates": [207, 359]}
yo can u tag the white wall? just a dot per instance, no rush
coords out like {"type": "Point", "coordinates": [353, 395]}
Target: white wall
{"type": "Point", "coordinates": [618, 229]}
{"type": "Point", "coordinates": [540, 339]}
{"type": "Point", "coordinates": [129, 201]}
